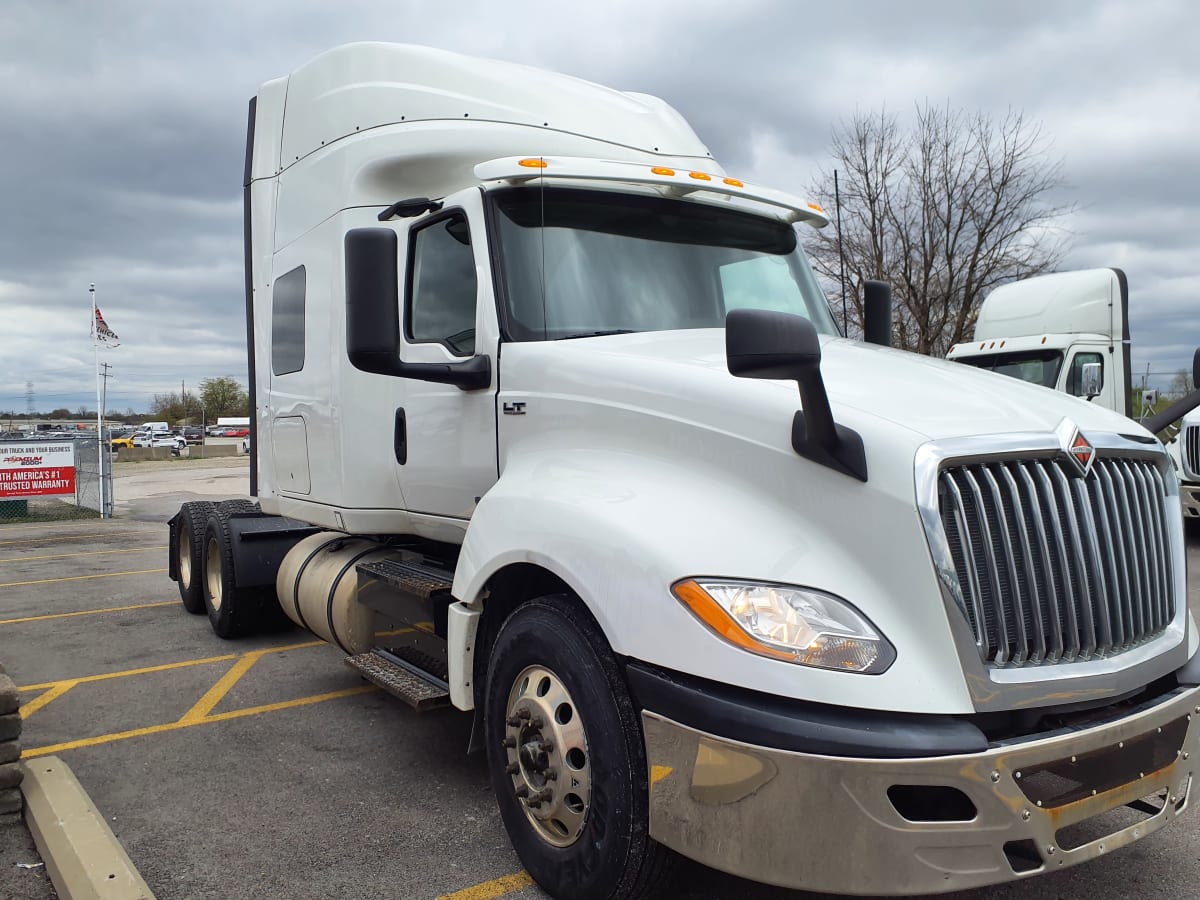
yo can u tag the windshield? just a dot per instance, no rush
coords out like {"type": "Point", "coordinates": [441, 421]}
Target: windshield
{"type": "Point", "coordinates": [1035, 366]}
{"type": "Point", "coordinates": [581, 263]}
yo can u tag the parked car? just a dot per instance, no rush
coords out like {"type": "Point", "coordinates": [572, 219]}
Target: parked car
{"type": "Point", "coordinates": [159, 439]}
{"type": "Point", "coordinates": [193, 434]}
{"type": "Point", "coordinates": [237, 432]}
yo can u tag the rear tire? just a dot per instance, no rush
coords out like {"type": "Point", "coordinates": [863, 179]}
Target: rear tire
{"type": "Point", "coordinates": [233, 611]}
{"type": "Point", "coordinates": [561, 730]}
{"type": "Point", "coordinates": [189, 543]}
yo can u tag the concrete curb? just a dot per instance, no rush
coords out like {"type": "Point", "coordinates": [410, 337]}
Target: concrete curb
{"type": "Point", "coordinates": [83, 857]}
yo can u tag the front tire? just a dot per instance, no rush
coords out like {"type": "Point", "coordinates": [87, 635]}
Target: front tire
{"type": "Point", "coordinates": [566, 757]}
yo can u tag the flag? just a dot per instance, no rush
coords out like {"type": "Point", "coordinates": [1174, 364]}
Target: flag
{"type": "Point", "coordinates": [102, 333]}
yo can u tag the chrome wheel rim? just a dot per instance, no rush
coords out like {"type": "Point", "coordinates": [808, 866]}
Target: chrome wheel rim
{"type": "Point", "coordinates": [184, 549]}
{"type": "Point", "coordinates": [547, 757]}
{"type": "Point", "coordinates": [213, 565]}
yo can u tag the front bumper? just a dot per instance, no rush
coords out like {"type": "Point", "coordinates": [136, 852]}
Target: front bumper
{"type": "Point", "coordinates": [832, 823]}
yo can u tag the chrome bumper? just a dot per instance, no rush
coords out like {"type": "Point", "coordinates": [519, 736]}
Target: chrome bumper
{"type": "Point", "coordinates": [830, 824]}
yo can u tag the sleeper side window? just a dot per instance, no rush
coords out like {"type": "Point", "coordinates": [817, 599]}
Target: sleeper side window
{"type": "Point", "coordinates": [442, 287]}
{"type": "Point", "coordinates": [287, 322]}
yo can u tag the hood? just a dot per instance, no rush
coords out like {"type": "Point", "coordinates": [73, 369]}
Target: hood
{"type": "Point", "coordinates": [683, 374]}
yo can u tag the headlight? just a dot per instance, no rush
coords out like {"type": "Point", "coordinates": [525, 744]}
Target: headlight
{"type": "Point", "coordinates": [794, 624]}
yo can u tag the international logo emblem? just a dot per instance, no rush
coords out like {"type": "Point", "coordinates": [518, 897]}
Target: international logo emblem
{"type": "Point", "coordinates": [1077, 448]}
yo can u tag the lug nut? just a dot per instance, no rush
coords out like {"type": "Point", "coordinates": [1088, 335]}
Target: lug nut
{"type": "Point", "coordinates": [550, 774]}
{"type": "Point", "coordinates": [512, 769]}
{"type": "Point", "coordinates": [995, 776]}
{"type": "Point", "coordinates": [512, 722]}
{"type": "Point", "coordinates": [509, 742]}
{"type": "Point", "coordinates": [548, 746]}
{"type": "Point", "coordinates": [522, 713]}
{"type": "Point", "coordinates": [537, 722]}
{"type": "Point", "coordinates": [523, 790]}
{"type": "Point", "coordinates": [1025, 814]}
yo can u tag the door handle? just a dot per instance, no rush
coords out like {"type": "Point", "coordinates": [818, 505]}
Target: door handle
{"type": "Point", "coordinates": [400, 437]}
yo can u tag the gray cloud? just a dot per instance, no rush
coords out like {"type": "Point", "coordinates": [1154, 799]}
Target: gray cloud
{"type": "Point", "coordinates": [123, 132]}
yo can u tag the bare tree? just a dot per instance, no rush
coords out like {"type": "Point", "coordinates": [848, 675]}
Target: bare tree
{"type": "Point", "coordinates": [1181, 385]}
{"type": "Point", "coordinates": [944, 213]}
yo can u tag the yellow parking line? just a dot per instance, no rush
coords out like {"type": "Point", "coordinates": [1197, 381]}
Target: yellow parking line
{"type": "Point", "coordinates": [78, 537]}
{"type": "Point", "coordinates": [217, 692]}
{"type": "Point", "coordinates": [87, 612]}
{"type": "Point", "coordinates": [175, 726]}
{"type": "Point", "coordinates": [17, 559]}
{"type": "Point", "coordinates": [79, 578]}
{"type": "Point", "coordinates": [28, 709]}
{"type": "Point", "coordinates": [497, 887]}
{"type": "Point", "coordinates": [105, 676]}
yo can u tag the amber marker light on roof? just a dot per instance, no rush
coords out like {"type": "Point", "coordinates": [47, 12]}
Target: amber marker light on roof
{"type": "Point", "coordinates": [733, 182]}
{"type": "Point", "coordinates": [699, 176]}
{"type": "Point", "coordinates": [817, 206]}
{"type": "Point", "coordinates": [662, 170]}
{"type": "Point", "coordinates": [533, 163]}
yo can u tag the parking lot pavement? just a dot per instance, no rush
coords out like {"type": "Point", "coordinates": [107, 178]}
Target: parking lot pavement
{"type": "Point", "coordinates": [265, 767]}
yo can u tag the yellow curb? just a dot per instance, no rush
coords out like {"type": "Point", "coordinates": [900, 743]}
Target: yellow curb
{"type": "Point", "coordinates": [83, 857]}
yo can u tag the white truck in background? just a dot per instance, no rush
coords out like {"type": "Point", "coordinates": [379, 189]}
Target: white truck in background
{"type": "Point", "coordinates": [1070, 331]}
{"type": "Point", "coordinates": [528, 442]}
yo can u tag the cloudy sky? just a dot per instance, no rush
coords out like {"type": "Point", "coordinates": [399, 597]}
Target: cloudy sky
{"type": "Point", "coordinates": [122, 126]}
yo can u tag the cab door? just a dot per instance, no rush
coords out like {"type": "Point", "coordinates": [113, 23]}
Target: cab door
{"type": "Point", "coordinates": [446, 434]}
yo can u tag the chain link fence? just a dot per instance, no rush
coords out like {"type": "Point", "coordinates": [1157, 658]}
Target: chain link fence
{"type": "Point", "coordinates": [37, 485]}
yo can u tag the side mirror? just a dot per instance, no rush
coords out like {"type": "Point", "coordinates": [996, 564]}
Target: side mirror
{"type": "Point", "coordinates": [1092, 381]}
{"type": "Point", "coordinates": [761, 343]}
{"type": "Point", "coordinates": [373, 317]}
{"type": "Point", "coordinates": [877, 313]}
{"type": "Point", "coordinates": [1196, 369]}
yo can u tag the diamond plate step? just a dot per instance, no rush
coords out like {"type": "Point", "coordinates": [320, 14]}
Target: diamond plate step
{"type": "Point", "coordinates": [412, 578]}
{"type": "Point", "coordinates": [400, 679]}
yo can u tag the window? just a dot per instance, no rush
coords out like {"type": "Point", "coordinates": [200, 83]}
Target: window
{"type": "Point", "coordinates": [761, 282]}
{"type": "Point", "coordinates": [1035, 366]}
{"type": "Point", "coordinates": [442, 286]}
{"type": "Point", "coordinates": [583, 263]}
{"type": "Point", "coordinates": [287, 322]}
{"type": "Point", "coordinates": [1075, 373]}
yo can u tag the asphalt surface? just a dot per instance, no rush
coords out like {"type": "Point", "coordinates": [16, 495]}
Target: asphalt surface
{"type": "Point", "coordinates": [265, 767]}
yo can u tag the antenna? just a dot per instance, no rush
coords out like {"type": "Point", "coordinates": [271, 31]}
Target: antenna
{"type": "Point", "coordinates": [837, 205]}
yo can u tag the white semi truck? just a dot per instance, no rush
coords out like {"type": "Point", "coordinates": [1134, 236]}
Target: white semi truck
{"type": "Point", "coordinates": [552, 424]}
{"type": "Point", "coordinates": [1070, 331]}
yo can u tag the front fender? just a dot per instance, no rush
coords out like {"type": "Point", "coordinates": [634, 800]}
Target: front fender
{"type": "Point", "coordinates": [619, 529]}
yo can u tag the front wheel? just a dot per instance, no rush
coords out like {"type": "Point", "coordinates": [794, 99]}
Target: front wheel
{"type": "Point", "coordinates": [566, 757]}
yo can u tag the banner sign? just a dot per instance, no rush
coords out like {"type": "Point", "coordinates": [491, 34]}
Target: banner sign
{"type": "Point", "coordinates": [39, 469]}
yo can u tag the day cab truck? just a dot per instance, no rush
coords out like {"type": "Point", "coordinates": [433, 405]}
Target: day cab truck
{"type": "Point", "coordinates": [553, 425]}
{"type": "Point", "coordinates": [1070, 331]}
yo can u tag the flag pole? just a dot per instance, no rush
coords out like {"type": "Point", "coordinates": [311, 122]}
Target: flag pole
{"type": "Point", "coordinates": [100, 454]}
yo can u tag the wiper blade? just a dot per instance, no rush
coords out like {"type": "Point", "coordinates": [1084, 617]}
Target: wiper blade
{"type": "Point", "coordinates": [583, 334]}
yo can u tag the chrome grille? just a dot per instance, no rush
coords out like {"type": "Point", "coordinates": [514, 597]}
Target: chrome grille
{"type": "Point", "coordinates": [1191, 450]}
{"type": "Point", "coordinates": [1054, 567]}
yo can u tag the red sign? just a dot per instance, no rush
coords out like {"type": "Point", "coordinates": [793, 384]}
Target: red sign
{"type": "Point", "coordinates": [36, 470]}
